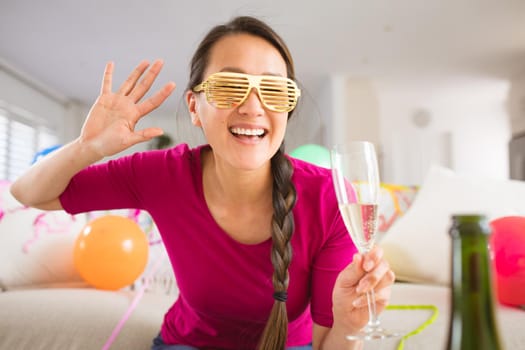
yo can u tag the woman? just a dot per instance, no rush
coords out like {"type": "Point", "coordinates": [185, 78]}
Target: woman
{"type": "Point", "coordinates": [260, 252]}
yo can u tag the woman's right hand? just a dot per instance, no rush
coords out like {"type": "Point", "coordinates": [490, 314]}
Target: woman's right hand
{"type": "Point", "coordinates": [110, 125]}
{"type": "Point", "coordinates": [108, 129]}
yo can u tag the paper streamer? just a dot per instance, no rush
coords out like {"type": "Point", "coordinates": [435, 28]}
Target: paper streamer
{"type": "Point", "coordinates": [132, 306]}
{"type": "Point", "coordinates": [433, 317]}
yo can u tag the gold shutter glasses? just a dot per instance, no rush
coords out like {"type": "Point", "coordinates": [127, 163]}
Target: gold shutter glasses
{"type": "Point", "coordinates": [228, 90]}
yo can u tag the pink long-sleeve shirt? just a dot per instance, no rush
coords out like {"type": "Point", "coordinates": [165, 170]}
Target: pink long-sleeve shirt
{"type": "Point", "coordinates": [225, 286]}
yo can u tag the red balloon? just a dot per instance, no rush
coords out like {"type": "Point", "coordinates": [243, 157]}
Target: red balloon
{"type": "Point", "coordinates": [508, 245]}
{"type": "Point", "coordinates": [111, 252]}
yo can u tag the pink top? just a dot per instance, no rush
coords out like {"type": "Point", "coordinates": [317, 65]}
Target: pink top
{"type": "Point", "coordinates": [225, 286]}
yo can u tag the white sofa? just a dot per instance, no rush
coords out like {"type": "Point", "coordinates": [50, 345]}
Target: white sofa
{"type": "Point", "coordinates": [44, 304]}
{"type": "Point", "coordinates": [84, 318]}
{"type": "Point", "coordinates": [77, 318]}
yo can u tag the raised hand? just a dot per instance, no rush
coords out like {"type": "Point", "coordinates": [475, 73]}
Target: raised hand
{"type": "Point", "coordinates": [110, 125]}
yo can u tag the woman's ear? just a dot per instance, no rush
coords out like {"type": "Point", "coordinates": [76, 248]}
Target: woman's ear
{"type": "Point", "coordinates": [191, 101]}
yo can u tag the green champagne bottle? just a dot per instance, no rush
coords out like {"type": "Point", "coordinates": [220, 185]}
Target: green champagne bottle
{"type": "Point", "coordinates": [473, 324]}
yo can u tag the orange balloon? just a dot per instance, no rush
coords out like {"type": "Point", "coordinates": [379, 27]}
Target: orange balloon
{"type": "Point", "coordinates": [111, 252]}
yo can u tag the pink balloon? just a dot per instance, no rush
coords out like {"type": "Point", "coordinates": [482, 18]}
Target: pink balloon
{"type": "Point", "coordinates": [508, 246]}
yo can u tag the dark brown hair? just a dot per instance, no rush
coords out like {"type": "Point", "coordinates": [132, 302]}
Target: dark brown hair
{"type": "Point", "coordinates": [283, 193]}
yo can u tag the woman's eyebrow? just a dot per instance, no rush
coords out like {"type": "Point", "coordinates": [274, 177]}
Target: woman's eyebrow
{"type": "Point", "coordinates": [232, 69]}
{"type": "Point", "coordinates": [238, 70]}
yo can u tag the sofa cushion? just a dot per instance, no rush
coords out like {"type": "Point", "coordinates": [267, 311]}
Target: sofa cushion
{"type": "Point", "coordinates": [418, 246]}
{"type": "Point", "coordinates": [81, 319]}
{"type": "Point", "coordinates": [36, 247]}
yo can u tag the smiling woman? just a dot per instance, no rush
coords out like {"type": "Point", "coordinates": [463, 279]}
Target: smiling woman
{"type": "Point", "coordinates": [237, 216]}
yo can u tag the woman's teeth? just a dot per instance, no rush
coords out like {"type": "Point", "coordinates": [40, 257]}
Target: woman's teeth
{"type": "Point", "coordinates": [247, 132]}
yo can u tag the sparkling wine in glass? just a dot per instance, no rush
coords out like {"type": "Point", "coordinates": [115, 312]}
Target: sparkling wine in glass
{"type": "Point", "coordinates": [356, 180]}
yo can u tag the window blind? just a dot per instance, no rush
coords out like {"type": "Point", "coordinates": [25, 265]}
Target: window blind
{"type": "Point", "coordinates": [21, 138]}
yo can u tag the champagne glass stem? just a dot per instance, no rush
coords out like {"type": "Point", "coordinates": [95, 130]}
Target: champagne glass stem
{"type": "Point", "coordinates": [373, 320]}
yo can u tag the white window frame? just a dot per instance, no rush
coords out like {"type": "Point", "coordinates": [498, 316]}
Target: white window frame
{"type": "Point", "coordinates": [45, 136]}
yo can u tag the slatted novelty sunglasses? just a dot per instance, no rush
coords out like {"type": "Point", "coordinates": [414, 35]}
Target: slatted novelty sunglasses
{"type": "Point", "coordinates": [227, 90]}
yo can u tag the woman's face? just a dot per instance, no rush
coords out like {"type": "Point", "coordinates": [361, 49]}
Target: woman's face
{"type": "Point", "coordinates": [246, 136]}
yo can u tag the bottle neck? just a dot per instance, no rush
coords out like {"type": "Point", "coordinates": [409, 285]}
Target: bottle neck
{"type": "Point", "coordinates": [474, 277]}
{"type": "Point", "coordinates": [472, 298]}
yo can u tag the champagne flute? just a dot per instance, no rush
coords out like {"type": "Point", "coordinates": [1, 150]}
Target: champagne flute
{"type": "Point", "coordinates": [356, 180]}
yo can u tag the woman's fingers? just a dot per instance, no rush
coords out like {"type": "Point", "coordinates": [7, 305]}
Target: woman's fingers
{"type": "Point", "coordinates": [108, 78]}
{"type": "Point", "coordinates": [372, 258]}
{"type": "Point", "coordinates": [382, 296]}
{"type": "Point", "coordinates": [156, 100]}
{"type": "Point", "coordinates": [136, 91]}
{"type": "Point", "coordinates": [140, 89]}
{"type": "Point", "coordinates": [371, 280]}
{"type": "Point", "coordinates": [143, 135]}
{"type": "Point", "coordinates": [378, 280]}
{"type": "Point", "coordinates": [379, 277]}
{"type": "Point", "coordinates": [125, 103]}
{"type": "Point", "coordinates": [132, 79]}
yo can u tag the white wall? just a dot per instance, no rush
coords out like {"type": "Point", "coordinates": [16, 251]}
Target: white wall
{"type": "Point", "coordinates": [16, 92]}
{"type": "Point", "coordinates": [352, 106]}
{"type": "Point", "coordinates": [468, 130]}
{"type": "Point", "coordinates": [470, 110]}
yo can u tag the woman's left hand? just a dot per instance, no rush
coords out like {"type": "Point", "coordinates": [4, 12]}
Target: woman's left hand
{"type": "Point", "coordinates": [366, 272]}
